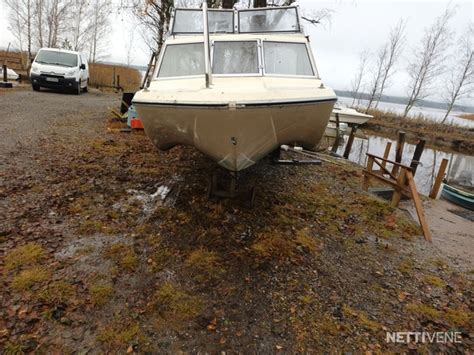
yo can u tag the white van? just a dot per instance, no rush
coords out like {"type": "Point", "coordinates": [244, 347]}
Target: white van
{"type": "Point", "coordinates": [59, 69]}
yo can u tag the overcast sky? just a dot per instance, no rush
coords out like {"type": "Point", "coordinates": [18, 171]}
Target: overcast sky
{"type": "Point", "coordinates": [356, 25]}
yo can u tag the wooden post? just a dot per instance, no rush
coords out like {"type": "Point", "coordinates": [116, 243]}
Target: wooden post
{"type": "Point", "coordinates": [118, 81]}
{"type": "Point", "coordinates": [5, 77]}
{"type": "Point", "coordinates": [386, 153]}
{"type": "Point", "coordinates": [350, 141]}
{"type": "Point", "coordinates": [418, 206]}
{"type": "Point", "coordinates": [366, 180]}
{"type": "Point", "coordinates": [417, 155]}
{"type": "Point", "coordinates": [399, 151]}
{"type": "Point", "coordinates": [439, 178]}
{"type": "Point", "coordinates": [336, 142]}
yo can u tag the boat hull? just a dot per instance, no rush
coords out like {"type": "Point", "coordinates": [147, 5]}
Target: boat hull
{"type": "Point", "coordinates": [236, 137]}
{"type": "Point", "coordinates": [458, 197]}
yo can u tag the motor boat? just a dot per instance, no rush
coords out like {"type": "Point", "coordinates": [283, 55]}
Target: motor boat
{"type": "Point", "coordinates": [349, 115]}
{"type": "Point", "coordinates": [236, 84]}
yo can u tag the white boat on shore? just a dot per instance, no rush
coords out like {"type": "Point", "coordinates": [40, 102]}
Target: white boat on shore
{"type": "Point", "coordinates": [349, 116]}
{"type": "Point", "coordinates": [252, 87]}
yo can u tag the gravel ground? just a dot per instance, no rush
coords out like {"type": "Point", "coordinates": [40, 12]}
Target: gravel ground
{"type": "Point", "coordinates": [94, 260]}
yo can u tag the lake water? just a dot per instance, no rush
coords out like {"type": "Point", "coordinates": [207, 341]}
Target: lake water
{"type": "Point", "coordinates": [428, 112]}
{"type": "Point", "coordinates": [430, 160]}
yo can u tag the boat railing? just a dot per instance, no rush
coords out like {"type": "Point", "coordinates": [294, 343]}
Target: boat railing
{"type": "Point", "coordinates": [187, 21]}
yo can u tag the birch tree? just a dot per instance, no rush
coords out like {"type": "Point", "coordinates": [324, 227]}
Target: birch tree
{"type": "Point", "coordinates": [395, 48]}
{"type": "Point", "coordinates": [98, 28]}
{"type": "Point", "coordinates": [20, 23]}
{"type": "Point", "coordinates": [460, 83]}
{"type": "Point", "coordinates": [428, 61]}
{"type": "Point", "coordinates": [357, 81]}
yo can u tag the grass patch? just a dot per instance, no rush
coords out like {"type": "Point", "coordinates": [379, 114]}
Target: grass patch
{"type": "Point", "coordinates": [306, 241]}
{"type": "Point", "coordinates": [123, 255]}
{"type": "Point", "coordinates": [361, 318]}
{"type": "Point", "coordinates": [57, 292]}
{"type": "Point", "coordinates": [434, 281]}
{"type": "Point", "coordinates": [406, 266]}
{"type": "Point", "coordinates": [175, 306]}
{"type": "Point", "coordinates": [203, 264]}
{"type": "Point", "coordinates": [458, 317]}
{"type": "Point", "coordinates": [120, 334]}
{"type": "Point", "coordinates": [27, 278]}
{"type": "Point", "coordinates": [100, 293]}
{"type": "Point", "coordinates": [274, 247]}
{"type": "Point", "coordinates": [423, 310]}
{"type": "Point", "coordinates": [25, 255]}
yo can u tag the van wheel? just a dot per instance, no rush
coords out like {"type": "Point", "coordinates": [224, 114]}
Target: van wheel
{"type": "Point", "coordinates": [36, 87]}
{"type": "Point", "coordinates": [78, 89]}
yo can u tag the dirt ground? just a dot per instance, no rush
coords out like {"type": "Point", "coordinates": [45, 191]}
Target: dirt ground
{"type": "Point", "coordinates": [107, 245]}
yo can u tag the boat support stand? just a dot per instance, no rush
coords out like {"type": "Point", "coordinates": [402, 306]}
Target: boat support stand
{"type": "Point", "coordinates": [310, 157]}
{"type": "Point", "coordinates": [227, 187]}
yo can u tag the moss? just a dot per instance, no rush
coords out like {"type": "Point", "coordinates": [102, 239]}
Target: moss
{"type": "Point", "coordinates": [434, 281]}
{"type": "Point", "coordinates": [361, 317]}
{"type": "Point", "coordinates": [13, 348]}
{"type": "Point", "coordinates": [423, 310]}
{"type": "Point", "coordinates": [175, 306]}
{"type": "Point", "coordinates": [123, 255]}
{"type": "Point", "coordinates": [273, 247]}
{"type": "Point", "coordinates": [308, 242]}
{"type": "Point", "coordinates": [57, 292]}
{"type": "Point", "coordinates": [27, 278]}
{"type": "Point", "coordinates": [457, 317]}
{"type": "Point", "coordinates": [406, 266]}
{"type": "Point", "coordinates": [203, 263]}
{"type": "Point", "coordinates": [120, 334]}
{"type": "Point", "coordinates": [25, 255]}
{"type": "Point", "coordinates": [100, 293]}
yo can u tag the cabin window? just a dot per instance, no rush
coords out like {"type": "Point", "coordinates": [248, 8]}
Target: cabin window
{"type": "Point", "coordinates": [282, 58]}
{"type": "Point", "coordinates": [269, 20]}
{"type": "Point", "coordinates": [182, 60]}
{"type": "Point", "coordinates": [239, 57]}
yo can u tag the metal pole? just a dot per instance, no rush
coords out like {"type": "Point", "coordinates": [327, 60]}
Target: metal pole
{"type": "Point", "coordinates": [207, 47]}
{"type": "Point", "coordinates": [5, 77]}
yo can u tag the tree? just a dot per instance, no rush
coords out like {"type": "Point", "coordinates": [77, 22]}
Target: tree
{"type": "Point", "coordinates": [81, 27]}
{"type": "Point", "coordinates": [460, 83]}
{"type": "Point", "coordinates": [395, 47]}
{"type": "Point", "coordinates": [428, 62]}
{"type": "Point", "coordinates": [21, 23]}
{"type": "Point", "coordinates": [356, 84]}
{"type": "Point", "coordinates": [99, 25]}
{"type": "Point", "coordinates": [377, 74]}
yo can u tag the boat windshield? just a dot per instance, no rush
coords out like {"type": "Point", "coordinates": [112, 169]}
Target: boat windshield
{"type": "Point", "coordinates": [56, 58]}
{"type": "Point", "coordinates": [283, 58]}
{"type": "Point", "coordinates": [182, 60]}
{"type": "Point", "coordinates": [268, 20]}
{"type": "Point", "coordinates": [190, 21]}
{"type": "Point", "coordinates": [237, 57]}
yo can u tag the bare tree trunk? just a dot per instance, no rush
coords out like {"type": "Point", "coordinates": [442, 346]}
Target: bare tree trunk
{"type": "Point", "coordinates": [461, 83]}
{"type": "Point", "coordinates": [427, 65]}
{"type": "Point", "coordinates": [357, 81]}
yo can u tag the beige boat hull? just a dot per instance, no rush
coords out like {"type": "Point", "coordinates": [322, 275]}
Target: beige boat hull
{"type": "Point", "coordinates": [236, 137]}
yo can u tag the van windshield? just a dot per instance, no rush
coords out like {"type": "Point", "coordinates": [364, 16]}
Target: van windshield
{"type": "Point", "coordinates": [56, 58]}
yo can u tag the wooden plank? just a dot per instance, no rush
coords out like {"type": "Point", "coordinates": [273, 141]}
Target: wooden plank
{"type": "Point", "coordinates": [399, 151]}
{"type": "Point", "coordinates": [439, 178]}
{"type": "Point", "coordinates": [397, 194]}
{"type": "Point", "coordinates": [386, 153]}
{"type": "Point", "coordinates": [336, 141]}
{"type": "Point", "coordinates": [418, 206]}
{"type": "Point", "coordinates": [403, 189]}
{"type": "Point", "coordinates": [384, 170]}
{"type": "Point", "coordinates": [350, 141]}
{"type": "Point", "coordinates": [389, 161]}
